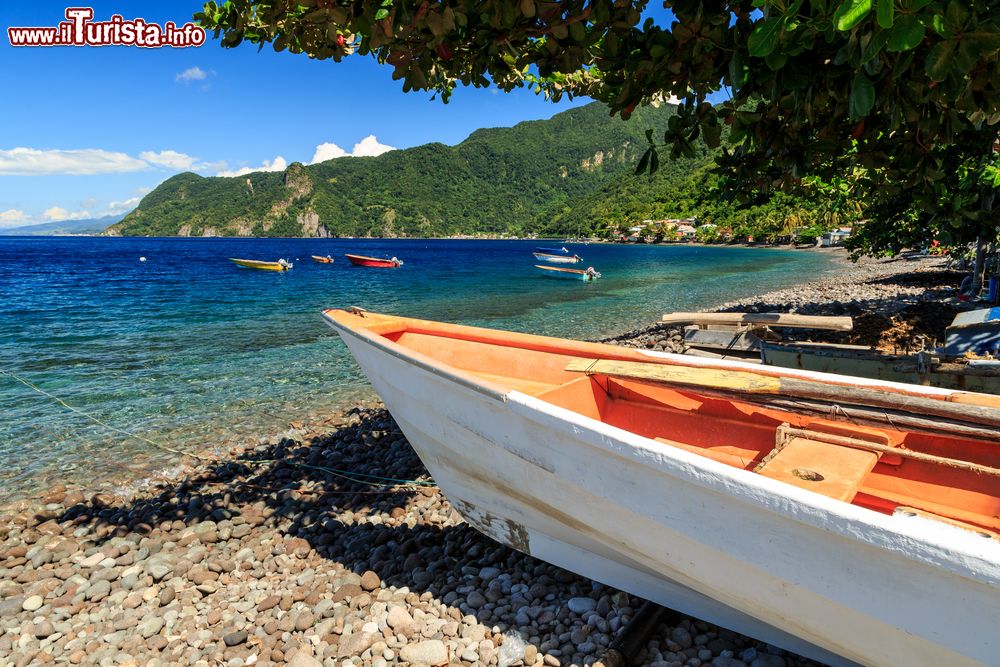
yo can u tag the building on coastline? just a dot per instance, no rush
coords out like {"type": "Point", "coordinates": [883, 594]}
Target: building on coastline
{"type": "Point", "coordinates": [835, 237]}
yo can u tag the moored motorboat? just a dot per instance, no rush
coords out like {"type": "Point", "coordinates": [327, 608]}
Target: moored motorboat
{"type": "Point", "coordinates": [557, 259]}
{"type": "Point", "coordinates": [378, 262]}
{"type": "Point", "coordinates": [322, 260]}
{"type": "Point", "coordinates": [553, 251]}
{"type": "Point", "coordinates": [732, 492]}
{"type": "Point", "coordinates": [587, 274]}
{"type": "Point", "coordinates": [280, 265]}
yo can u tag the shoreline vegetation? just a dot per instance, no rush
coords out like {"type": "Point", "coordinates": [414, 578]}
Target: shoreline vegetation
{"type": "Point", "coordinates": [331, 543]}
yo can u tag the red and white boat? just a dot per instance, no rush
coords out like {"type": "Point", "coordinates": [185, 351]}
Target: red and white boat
{"type": "Point", "coordinates": [379, 262]}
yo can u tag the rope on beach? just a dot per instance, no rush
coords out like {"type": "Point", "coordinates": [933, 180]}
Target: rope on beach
{"type": "Point", "coordinates": [351, 475]}
{"type": "Point", "coordinates": [97, 420]}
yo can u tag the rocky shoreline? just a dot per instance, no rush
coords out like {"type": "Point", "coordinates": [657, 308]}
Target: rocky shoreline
{"type": "Point", "coordinates": [898, 305]}
{"type": "Point", "coordinates": [333, 547]}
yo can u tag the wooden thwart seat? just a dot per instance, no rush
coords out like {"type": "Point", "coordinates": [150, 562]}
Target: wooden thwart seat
{"type": "Point", "coordinates": [816, 464]}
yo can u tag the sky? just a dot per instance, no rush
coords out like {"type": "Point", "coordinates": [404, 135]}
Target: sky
{"type": "Point", "coordinates": [87, 131]}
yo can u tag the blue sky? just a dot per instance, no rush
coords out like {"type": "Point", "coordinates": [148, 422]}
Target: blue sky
{"type": "Point", "coordinates": [133, 117]}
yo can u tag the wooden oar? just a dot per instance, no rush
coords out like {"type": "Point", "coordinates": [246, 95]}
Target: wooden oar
{"type": "Point", "coordinates": [741, 382]}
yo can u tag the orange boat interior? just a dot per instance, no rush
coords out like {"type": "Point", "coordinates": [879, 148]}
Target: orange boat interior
{"type": "Point", "coordinates": [792, 447]}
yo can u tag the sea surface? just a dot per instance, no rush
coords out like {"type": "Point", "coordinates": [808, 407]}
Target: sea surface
{"type": "Point", "coordinates": [187, 350]}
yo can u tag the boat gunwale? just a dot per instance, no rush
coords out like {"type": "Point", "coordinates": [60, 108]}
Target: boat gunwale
{"type": "Point", "coordinates": [932, 542]}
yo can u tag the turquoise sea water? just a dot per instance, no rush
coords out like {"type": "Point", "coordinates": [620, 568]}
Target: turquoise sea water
{"type": "Point", "coordinates": [190, 350]}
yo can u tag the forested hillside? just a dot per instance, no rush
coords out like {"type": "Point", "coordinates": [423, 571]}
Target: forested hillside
{"type": "Point", "coordinates": [569, 175]}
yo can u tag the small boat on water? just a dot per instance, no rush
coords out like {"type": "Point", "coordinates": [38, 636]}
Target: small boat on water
{"type": "Point", "coordinates": [322, 260]}
{"type": "Point", "coordinates": [280, 265]}
{"type": "Point", "coordinates": [553, 251]}
{"type": "Point", "coordinates": [849, 520]}
{"type": "Point", "coordinates": [587, 274]}
{"type": "Point", "coordinates": [380, 262]}
{"type": "Point", "coordinates": [557, 259]}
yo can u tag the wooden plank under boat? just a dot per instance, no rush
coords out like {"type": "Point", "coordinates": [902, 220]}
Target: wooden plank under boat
{"type": "Point", "coordinates": [280, 265]}
{"type": "Point", "coordinates": [557, 259]}
{"type": "Point", "coordinates": [575, 274]}
{"type": "Point", "coordinates": [732, 492]}
{"type": "Point", "coordinates": [319, 259]}
{"type": "Point", "coordinates": [956, 373]}
{"type": "Point", "coordinates": [378, 262]}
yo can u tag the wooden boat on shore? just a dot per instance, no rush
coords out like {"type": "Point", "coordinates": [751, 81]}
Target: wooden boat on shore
{"type": "Point", "coordinates": [981, 376]}
{"type": "Point", "coordinates": [732, 492]}
{"type": "Point", "coordinates": [280, 265]}
{"type": "Point", "coordinates": [322, 260]}
{"type": "Point", "coordinates": [557, 259]}
{"type": "Point", "coordinates": [587, 274]}
{"type": "Point", "coordinates": [377, 262]}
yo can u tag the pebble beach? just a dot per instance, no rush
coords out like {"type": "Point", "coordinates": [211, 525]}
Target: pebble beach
{"type": "Point", "coordinates": [331, 545]}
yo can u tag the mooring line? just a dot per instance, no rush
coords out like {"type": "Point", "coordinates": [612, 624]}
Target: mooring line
{"type": "Point", "coordinates": [91, 417]}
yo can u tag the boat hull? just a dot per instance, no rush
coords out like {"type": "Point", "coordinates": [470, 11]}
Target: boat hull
{"type": "Point", "coordinates": [322, 260]}
{"type": "Point", "coordinates": [895, 368]}
{"type": "Point", "coordinates": [557, 259]}
{"type": "Point", "coordinates": [373, 262]}
{"type": "Point", "coordinates": [260, 266]}
{"type": "Point", "coordinates": [817, 576]}
{"type": "Point", "coordinates": [567, 274]}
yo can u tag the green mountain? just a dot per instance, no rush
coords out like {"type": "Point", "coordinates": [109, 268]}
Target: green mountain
{"type": "Point", "coordinates": [512, 181]}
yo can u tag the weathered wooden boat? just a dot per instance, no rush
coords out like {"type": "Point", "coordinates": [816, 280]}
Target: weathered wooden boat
{"type": "Point", "coordinates": [557, 259]}
{"type": "Point", "coordinates": [862, 534]}
{"type": "Point", "coordinates": [553, 251]}
{"type": "Point", "coordinates": [322, 260]}
{"type": "Point", "coordinates": [378, 262]}
{"type": "Point", "coordinates": [587, 274]}
{"type": "Point", "coordinates": [280, 265]}
{"type": "Point", "coordinates": [924, 369]}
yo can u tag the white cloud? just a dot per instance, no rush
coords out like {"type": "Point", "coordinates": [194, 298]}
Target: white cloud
{"type": "Point", "coordinates": [12, 217]}
{"type": "Point", "coordinates": [192, 74]}
{"type": "Point", "coordinates": [169, 159]}
{"type": "Point", "coordinates": [328, 151]}
{"type": "Point", "coordinates": [59, 213]}
{"type": "Point", "coordinates": [124, 206]}
{"type": "Point", "coordinates": [34, 162]}
{"type": "Point", "coordinates": [277, 164]}
{"type": "Point", "coordinates": [367, 147]}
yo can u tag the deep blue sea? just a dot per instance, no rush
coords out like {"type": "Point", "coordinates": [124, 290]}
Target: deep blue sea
{"type": "Point", "coordinates": [189, 350]}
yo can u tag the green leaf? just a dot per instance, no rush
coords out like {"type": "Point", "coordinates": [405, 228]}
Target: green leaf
{"type": "Point", "coordinates": [862, 96]}
{"type": "Point", "coordinates": [906, 34]}
{"type": "Point", "coordinates": [884, 11]}
{"type": "Point", "coordinates": [764, 37]}
{"type": "Point", "coordinates": [939, 60]}
{"type": "Point", "coordinates": [381, 14]}
{"type": "Point", "coordinates": [955, 16]}
{"type": "Point", "coordinates": [850, 13]}
{"type": "Point", "coordinates": [643, 161]}
{"type": "Point", "coordinates": [776, 61]}
{"type": "Point", "coordinates": [739, 72]}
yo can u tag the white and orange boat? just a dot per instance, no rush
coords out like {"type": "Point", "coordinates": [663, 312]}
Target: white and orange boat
{"type": "Point", "coordinates": [849, 520]}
